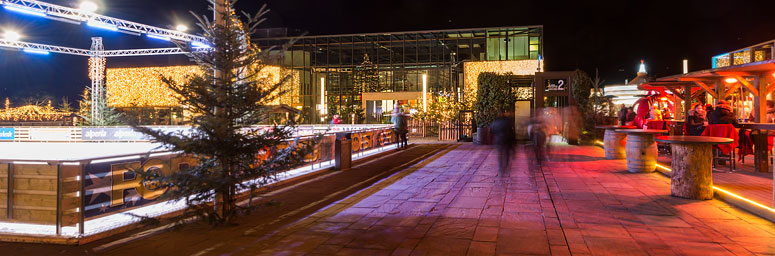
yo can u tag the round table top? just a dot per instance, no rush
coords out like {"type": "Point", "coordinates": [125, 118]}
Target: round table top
{"type": "Point", "coordinates": [694, 140]}
{"type": "Point", "coordinates": [615, 127]}
{"type": "Point", "coordinates": [641, 131]}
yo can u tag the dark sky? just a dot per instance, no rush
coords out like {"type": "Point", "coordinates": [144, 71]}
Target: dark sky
{"type": "Point", "coordinates": [612, 36]}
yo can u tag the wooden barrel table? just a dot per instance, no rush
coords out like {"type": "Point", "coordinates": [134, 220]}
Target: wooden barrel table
{"type": "Point", "coordinates": [641, 150]}
{"type": "Point", "coordinates": [613, 142]}
{"type": "Point", "coordinates": [692, 165]}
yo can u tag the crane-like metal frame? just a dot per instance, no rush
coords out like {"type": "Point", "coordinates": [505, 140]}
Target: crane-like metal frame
{"type": "Point", "coordinates": [97, 53]}
{"type": "Point", "coordinates": [72, 15]}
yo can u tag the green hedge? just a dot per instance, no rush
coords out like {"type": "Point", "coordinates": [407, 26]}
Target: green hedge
{"type": "Point", "coordinates": [493, 94]}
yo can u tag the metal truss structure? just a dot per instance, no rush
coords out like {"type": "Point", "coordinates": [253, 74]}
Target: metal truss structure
{"type": "Point", "coordinates": [72, 15]}
{"type": "Point", "coordinates": [97, 54]}
{"type": "Point", "coordinates": [42, 47]}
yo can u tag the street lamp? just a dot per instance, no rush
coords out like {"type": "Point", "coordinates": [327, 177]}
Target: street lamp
{"type": "Point", "coordinates": [88, 6]}
{"type": "Point", "coordinates": [11, 36]}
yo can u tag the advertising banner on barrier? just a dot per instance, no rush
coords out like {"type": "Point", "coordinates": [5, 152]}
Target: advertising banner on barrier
{"type": "Point", "coordinates": [7, 133]}
{"type": "Point", "coordinates": [111, 186]}
{"type": "Point", "coordinates": [362, 141]}
{"type": "Point", "coordinates": [121, 133]}
{"type": "Point", "coordinates": [50, 134]}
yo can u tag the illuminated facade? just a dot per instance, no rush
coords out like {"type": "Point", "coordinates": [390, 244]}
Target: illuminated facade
{"type": "Point", "coordinates": [341, 72]}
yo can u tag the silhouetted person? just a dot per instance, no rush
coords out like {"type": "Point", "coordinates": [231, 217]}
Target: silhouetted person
{"type": "Point", "coordinates": [399, 126]}
{"type": "Point", "coordinates": [503, 139]}
{"type": "Point", "coordinates": [622, 115]}
{"type": "Point", "coordinates": [537, 132]}
{"type": "Point", "coordinates": [723, 115]}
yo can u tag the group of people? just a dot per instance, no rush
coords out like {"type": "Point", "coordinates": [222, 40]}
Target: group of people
{"type": "Point", "coordinates": [702, 115]}
{"type": "Point", "coordinates": [699, 117]}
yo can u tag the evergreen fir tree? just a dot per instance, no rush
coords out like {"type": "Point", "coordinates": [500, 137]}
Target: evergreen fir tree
{"type": "Point", "coordinates": [367, 76]}
{"type": "Point", "coordinates": [110, 116]}
{"type": "Point", "coordinates": [226, 100]}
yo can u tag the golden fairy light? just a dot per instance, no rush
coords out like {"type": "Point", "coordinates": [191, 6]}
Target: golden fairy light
{"type": "Point", "coordinates": [32, 113]}
{"type": "Point", "coordinates": [472, 69]}
{"type": "Point", "coordinates": [143, 87]}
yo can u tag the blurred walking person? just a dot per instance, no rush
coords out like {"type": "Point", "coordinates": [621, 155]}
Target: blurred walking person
{"type": "Point", "coordinates": [503, 138]}
{"type": "Point", "coordinates": [537, 132]}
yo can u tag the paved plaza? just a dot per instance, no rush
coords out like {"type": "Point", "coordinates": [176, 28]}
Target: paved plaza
{"type": "Point", "coordinates": [578, 203]}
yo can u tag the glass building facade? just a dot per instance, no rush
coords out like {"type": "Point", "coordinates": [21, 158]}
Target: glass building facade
{"type": "Point", "coordinates": [372, 71]}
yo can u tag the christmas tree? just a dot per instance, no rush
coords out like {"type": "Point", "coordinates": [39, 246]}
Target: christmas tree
{"type": "Point", "coordinates": [226, 101]}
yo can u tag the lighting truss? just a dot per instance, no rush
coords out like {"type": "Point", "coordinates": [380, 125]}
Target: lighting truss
{"type": "Point", "coordinates": [42, 47]}
{"type": "Point", "coordinates": [67, 14]}
{"type": "Point", "coordinates": [91, 53]}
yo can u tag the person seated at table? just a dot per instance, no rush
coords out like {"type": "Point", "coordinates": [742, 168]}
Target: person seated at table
{"type": "Point", "coordinates": [697, 120]}
{"type": "Point", "coordinates": [770, 118]}
{"type": "Point", "coordinates": [655, 114]}
{"type": "Point", "coordinates": [666, 114]}
{"type": "Point", "coordinates": [723, 115]}
{"type": "Point", "coordinates": [622, 115]}
{"type": "Point", "coordinates": [708, 109]}
{"type": "Point", "coordinates": [630, 117]}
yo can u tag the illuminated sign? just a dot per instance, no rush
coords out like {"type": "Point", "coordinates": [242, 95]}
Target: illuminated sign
{"type": "Point", "coordinates": [556, 84]}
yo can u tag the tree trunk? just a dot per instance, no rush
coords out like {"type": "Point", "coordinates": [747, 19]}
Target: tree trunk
{"type": "Point", "coordinates": [692, 171]}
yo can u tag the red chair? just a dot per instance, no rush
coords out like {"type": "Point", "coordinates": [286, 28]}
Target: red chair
{"type": "Point", "coordinates": [655, 125]}
{"type": "Point", "coordinates": [724, 131]}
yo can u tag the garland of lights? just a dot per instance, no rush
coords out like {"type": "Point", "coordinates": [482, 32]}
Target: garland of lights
{"type": "Point", "coordinates": [143, 87]}
{"type": "Point", "coordinates": [32, 113]}
{"type": "Point", "coordinates": [472, 69]}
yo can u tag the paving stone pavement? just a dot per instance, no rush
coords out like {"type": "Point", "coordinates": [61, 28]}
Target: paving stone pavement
{"type": "Point", "coordinates": [578, 203]}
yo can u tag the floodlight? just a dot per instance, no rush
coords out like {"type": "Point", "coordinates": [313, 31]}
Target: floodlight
{"type": "Point", "coordinates": [36, 51]}
{"type": "Point", "coordinates": [102, 25]}
{"type": "Point", "coordinates": [197, 44]}
{"type": "Point", "coordinates": [88, 6]}
{"type": "Point", "coordinates": [11, 36]}
{"type": "Point", "coordinates": [25, 10]}
{"type": "Point", "coordinates": [181, 28]}
{"type": "Point", "coordinates": [156, 36]}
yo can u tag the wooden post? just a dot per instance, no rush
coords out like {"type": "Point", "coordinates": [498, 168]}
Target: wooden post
{"type": "Point", "coordinates": [687, 101]}
{"type": "Point", "coordinates": [721, 90]}
{"type": "Point", "coordinates": [9, 194]}
{"type": "Point", "coordinates": [760, 140]}
{"type": "Point", "coordinates": [692, 172]}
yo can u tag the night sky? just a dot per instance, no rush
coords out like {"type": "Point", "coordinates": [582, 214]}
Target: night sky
{"type": "Point", "coordinates": [612, 36]}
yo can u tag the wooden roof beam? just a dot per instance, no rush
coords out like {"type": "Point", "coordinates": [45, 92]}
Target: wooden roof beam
{"type": "Point", "coordinates": [748, 85]}
{"type": "Point", "coordinates": [707, 89]}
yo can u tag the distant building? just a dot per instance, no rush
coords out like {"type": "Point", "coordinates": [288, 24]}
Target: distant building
{"type": "Point", "coordinates": [628, 92]}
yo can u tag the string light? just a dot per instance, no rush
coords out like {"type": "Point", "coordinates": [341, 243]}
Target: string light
{"type": "Point", "coordinates": [32, 113]}
{"type": "Point", "coordinates": [472, 70]}
{"type": "Point", "coordinates": [143, 87]}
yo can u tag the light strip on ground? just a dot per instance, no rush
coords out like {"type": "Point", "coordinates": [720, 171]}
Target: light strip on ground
{"type": "Point", "coordinates": [24, 10]}
{"type": "Point", "coordinates": [769, 209]}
